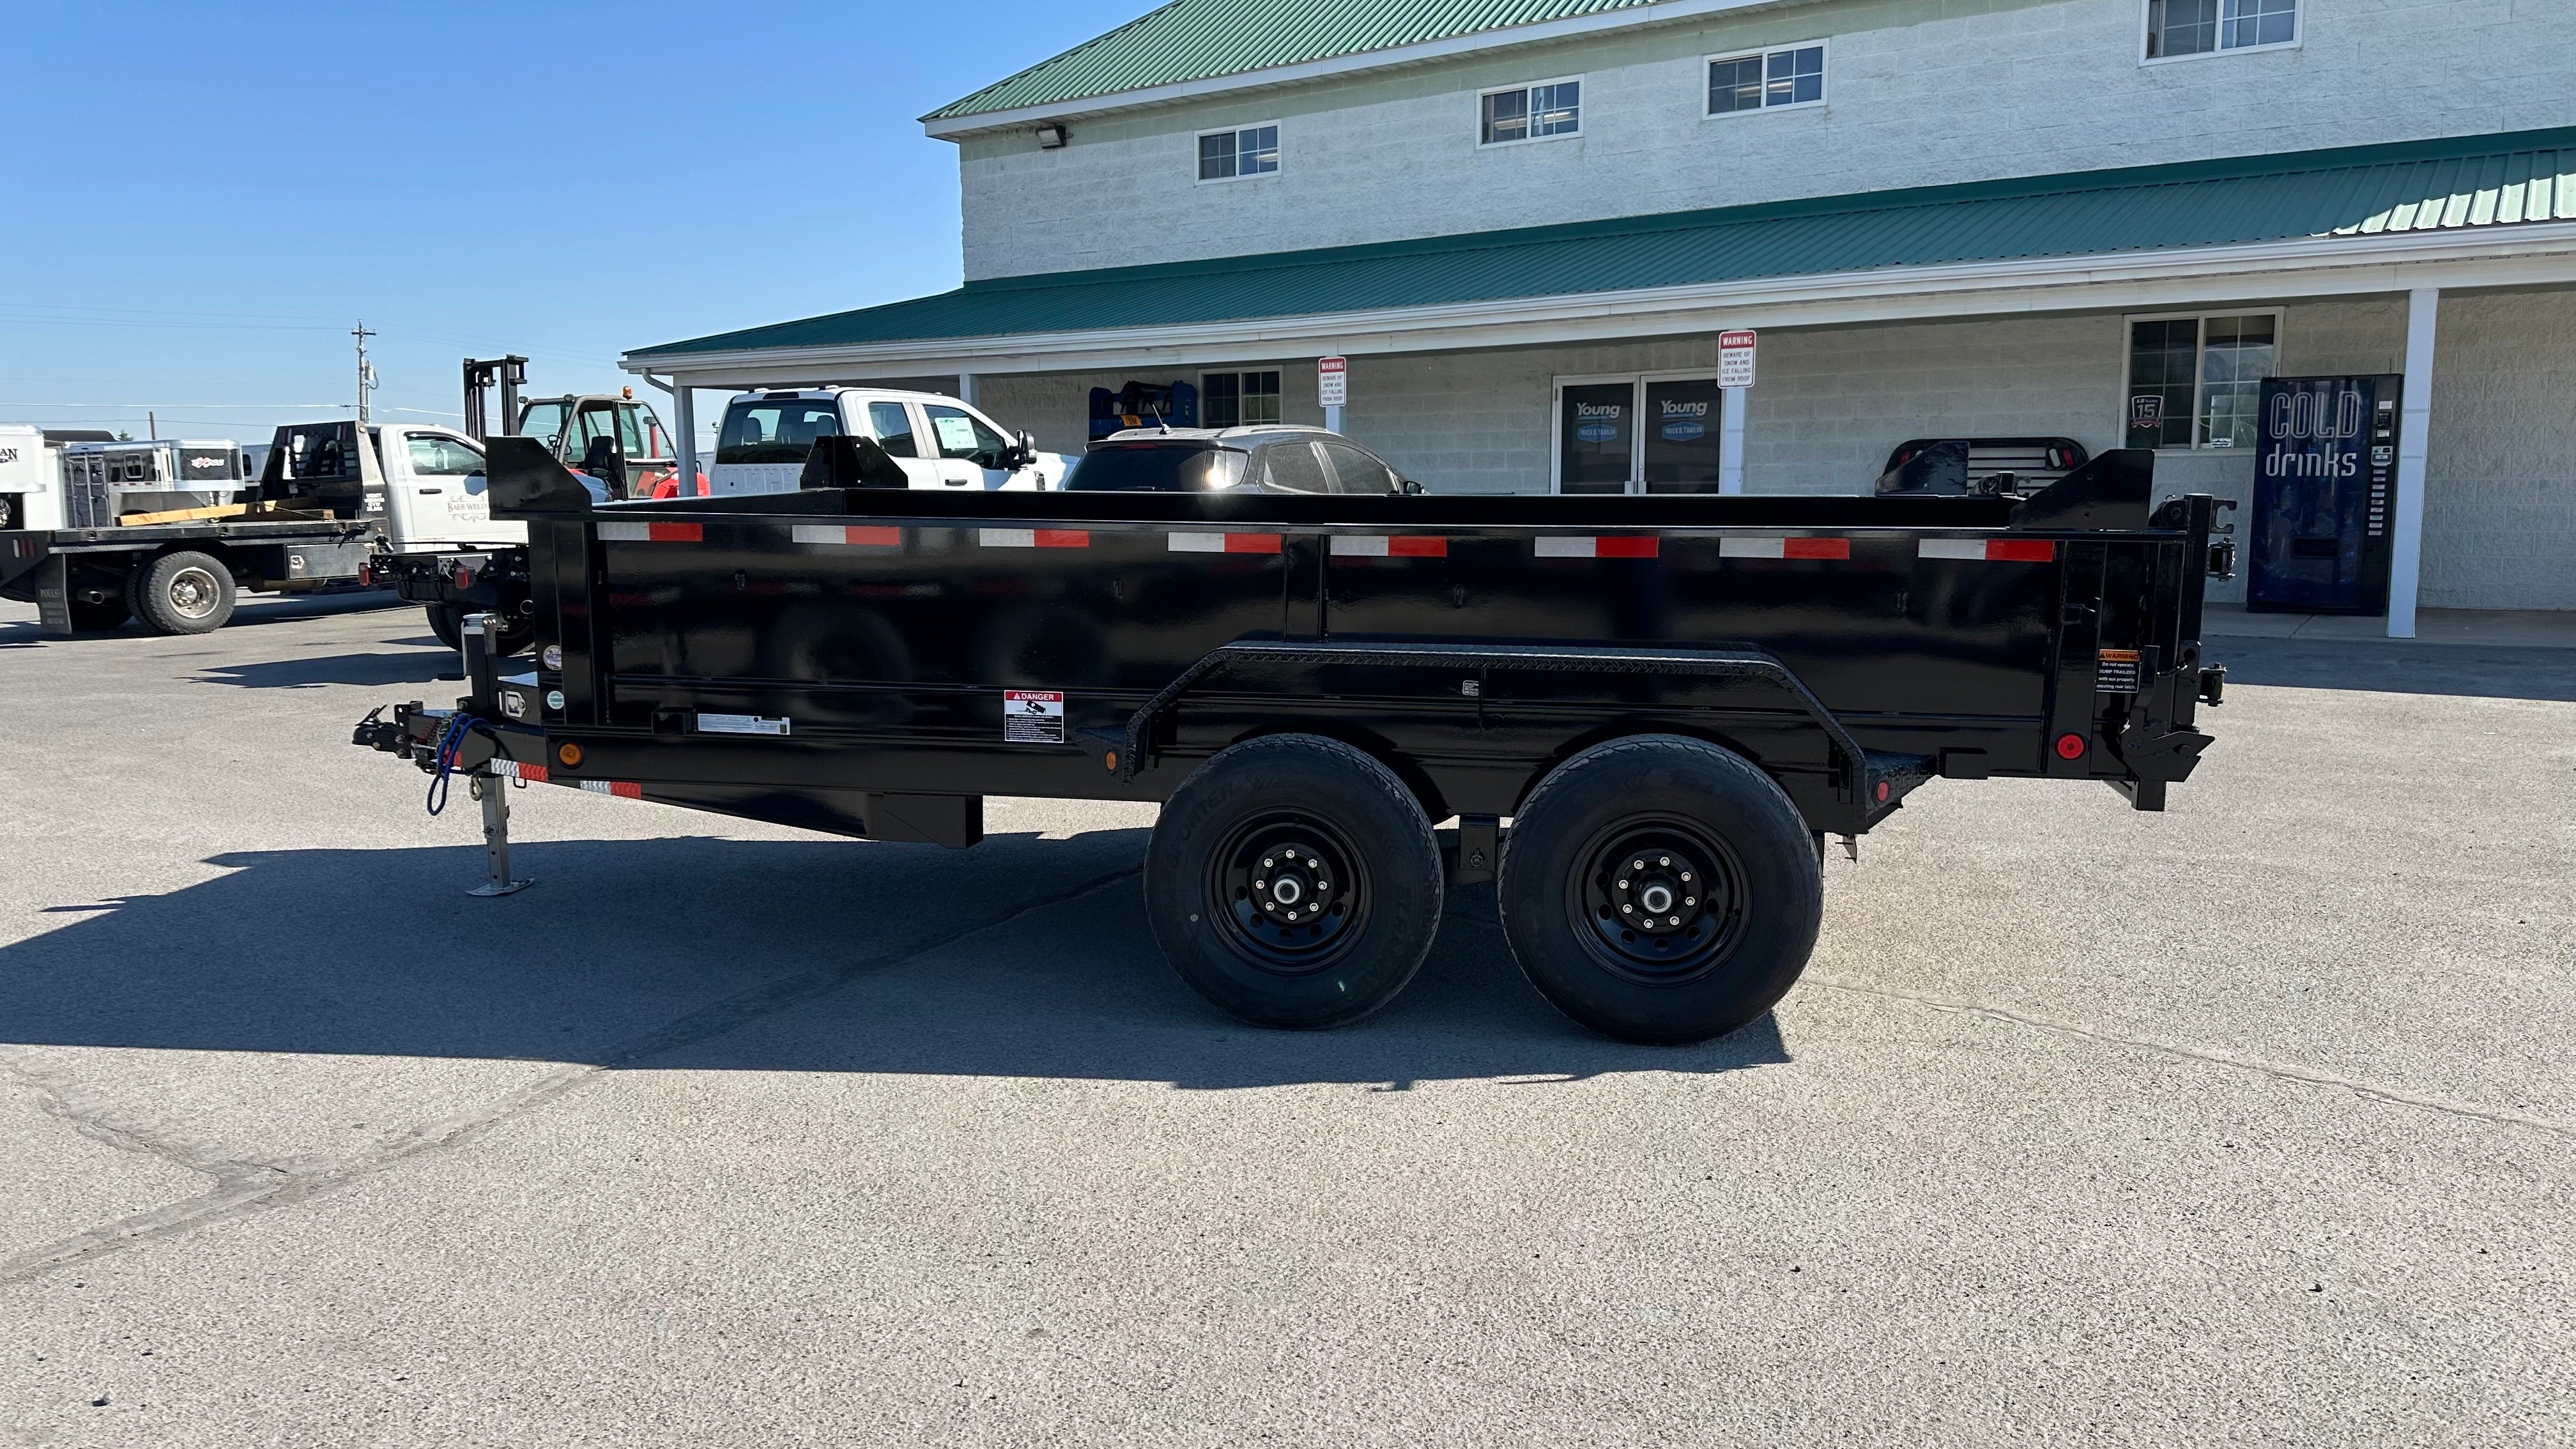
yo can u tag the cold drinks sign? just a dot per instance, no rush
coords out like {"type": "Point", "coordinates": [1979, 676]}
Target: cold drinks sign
{"type": "Point", "coordinates": [1735, 359]}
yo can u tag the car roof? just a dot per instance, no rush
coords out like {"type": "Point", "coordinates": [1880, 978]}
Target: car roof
{"type": "Point", "coordinates": [1249, 435]}
{"type": "Point", "coordinates": [889, 394]}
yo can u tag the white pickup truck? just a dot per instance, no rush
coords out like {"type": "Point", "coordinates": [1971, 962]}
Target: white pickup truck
{"type": "Point", "coordinates": [940, 441]}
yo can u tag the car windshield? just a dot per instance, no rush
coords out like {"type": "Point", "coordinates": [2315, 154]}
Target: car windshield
{"type": "Point", "coordinates": [1154, 468]}
{"type": "Point", "coordinates": [779, 431]}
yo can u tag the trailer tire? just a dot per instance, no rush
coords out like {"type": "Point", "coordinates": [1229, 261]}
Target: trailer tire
{"type": "Point", "coordinates": [1292, 826]}
{"type": "Point", "coordinates": [445, 621]}
{"type": "Point", "coordinates": [184, 593]}
{"type": "Point", "coordinates": [1728, 864]}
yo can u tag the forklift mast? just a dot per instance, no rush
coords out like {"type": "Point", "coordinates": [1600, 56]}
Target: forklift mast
{"type": "Point", "coordinates": [512, 373]}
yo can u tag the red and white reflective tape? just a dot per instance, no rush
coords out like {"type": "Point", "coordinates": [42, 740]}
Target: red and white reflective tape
{"type": "Point", "coordinates": [1990, 550]}
{"type": "Point", "coordinates": [1033, 537]}
{"type": "Point", "coordinates": [621, 531]}
{"type": "Point", "coordinates": [1784, 547]}
{"type": "Point", "coordinates": [1389, 545]}
{"type": "Point", "coordinates": [623, 789]}
{"type": "Point", "coordinates": [1624, 546]}
{"type": "Point", "coordinates": [535, 774]}
{"type": "Point", "coordinates": [850, 535]}
{"type": "Point", "coordinates": [1224, 542]}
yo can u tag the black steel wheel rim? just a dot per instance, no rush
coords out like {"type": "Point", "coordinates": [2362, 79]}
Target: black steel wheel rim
{"type": "Point", "coordinates": [1657, 900]}
{"type": "Point", "coordinates": [1288, 893]}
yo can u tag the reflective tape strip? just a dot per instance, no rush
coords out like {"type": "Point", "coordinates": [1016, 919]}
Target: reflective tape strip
{"type": "Point", "coordinates": [1380, 545]}
{"type": "Point", "coordinates": [623, 789]}
{"type": "Point", "coordinates": [1990, 550]}
{"type": "Point", "coordinates": [624, 532]}
{"type": "Point", "coordinates": [1033, 537]}
{"type": "Point", "coordinates": [517, 771]}
{"type": "Point", "coordinates": [853, 535]}
{"type": "Point", "coordinates": [1224, 542]}
{"type": "Point", "coordinates": [1629, 546]}
{"type": "Point", "coordinates": [1784, 548]}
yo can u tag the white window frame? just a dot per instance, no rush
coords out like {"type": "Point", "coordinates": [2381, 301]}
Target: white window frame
{"type": "Point", "coordinates": [2298, 38]}
{"type": "Point", "coordinates": [1237, 131]}
{"type": "Point", "coordinates": [1823, 43]}
{"type": "Point", "coordinates": [2128, 357]}
{"type": "Point", "coordinates": [1637, 382]}
{"type": "Point", "coordinates": [1239, 372]}
{"type": "Point", "coordinates": [1582, 110]}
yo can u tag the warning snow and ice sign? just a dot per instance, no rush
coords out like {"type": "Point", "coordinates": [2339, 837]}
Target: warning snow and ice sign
{"type": "Point", "coordinates": [1735, 359]}
{"type": "Point", "coordinates": [1033, 716]}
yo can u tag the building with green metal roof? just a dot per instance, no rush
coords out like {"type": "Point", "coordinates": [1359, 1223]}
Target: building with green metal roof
{"type": "Point", "coordinates": [1526, 223]}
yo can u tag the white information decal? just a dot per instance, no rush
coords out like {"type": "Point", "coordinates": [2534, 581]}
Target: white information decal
{"type": "Point", "coordinates": [1033, 716]}
{"type": "Point", "coordinates": [1333, 381]}
{"type": "Point", "coordinates": [1735, 359]}
{"type": "Point", "coordinates": [740, 724]}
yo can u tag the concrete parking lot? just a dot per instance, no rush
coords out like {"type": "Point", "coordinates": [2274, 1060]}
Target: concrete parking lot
{"type": "Point", "coordinates": [2245, 1123]}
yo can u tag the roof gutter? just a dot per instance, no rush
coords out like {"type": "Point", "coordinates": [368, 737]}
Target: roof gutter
{"type": "Point", "coordinates": [2520, 254]}
{"type": "Point", "coordinates": [1665, 12]}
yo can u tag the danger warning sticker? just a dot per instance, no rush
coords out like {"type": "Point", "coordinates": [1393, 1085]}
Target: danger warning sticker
{"type": "Point", "coordinates": [1033, 716]}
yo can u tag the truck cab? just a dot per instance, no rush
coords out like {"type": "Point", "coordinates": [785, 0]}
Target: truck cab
{"type": "Point", "coordinates": [940, 441]}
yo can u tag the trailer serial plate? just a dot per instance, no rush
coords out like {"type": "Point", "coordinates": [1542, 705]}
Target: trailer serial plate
{"type": "Point", "coordinates": [740, 724]}
{"type": "Point", "coordinates": [1033, 716]}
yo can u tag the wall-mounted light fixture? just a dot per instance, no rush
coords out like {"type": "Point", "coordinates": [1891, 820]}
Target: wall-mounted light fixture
{"type": "Point", "coordinates": [1051, 137]}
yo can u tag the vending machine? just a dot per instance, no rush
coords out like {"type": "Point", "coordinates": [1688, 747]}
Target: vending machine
{"type": "Point", "coordinates": [2325, 486]}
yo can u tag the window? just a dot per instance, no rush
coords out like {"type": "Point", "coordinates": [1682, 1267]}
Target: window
{"type": "Point", "coordinates": [542, 421]}
{"type": "Point", "coordinates": [1238, 399]}
{"type": "Point", "coordinates": [1356, 469]}
{"type": "Point", "coordinates": [2177, 28]}
{"type": "Point", "coordinates": [893, 427]}
{"type": "Point", "coordinates": [781, 431]}
{"type": "Point", "coordinates": [1291, 465]}
{"type": "Point", "coordinates": [434, 456]}
{"type": "Point", "coordinates": [1532, 113]}
{"type": "Point", "coordinates": [961, 434]}
{"type": "Point", "coordinates": [1229, 155]}
{"type": "Point", "coordinates": [1148, 467]}
{"type": "Point", "coordinates": [1793, 75]}
{"type": "Point", "coordinates": [2194, 382]}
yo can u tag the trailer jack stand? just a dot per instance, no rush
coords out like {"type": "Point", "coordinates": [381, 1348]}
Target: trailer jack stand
{"type": "Point", "coordinates": [495, 795]}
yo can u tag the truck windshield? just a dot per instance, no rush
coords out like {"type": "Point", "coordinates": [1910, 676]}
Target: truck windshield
{"type": "Point", "coordinates": [780, 431]}
{"type": "Point", "coordinates": [1154, 468]}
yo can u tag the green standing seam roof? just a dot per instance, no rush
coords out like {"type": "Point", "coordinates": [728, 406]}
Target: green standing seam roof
{"type": "Point", "coordinates": [2461, 182]}
{"type": "Point", "coordinates": [1191, 40]}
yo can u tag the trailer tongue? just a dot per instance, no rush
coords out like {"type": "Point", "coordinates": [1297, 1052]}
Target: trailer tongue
{"type": "Point", "coordinates": [1671, 699]}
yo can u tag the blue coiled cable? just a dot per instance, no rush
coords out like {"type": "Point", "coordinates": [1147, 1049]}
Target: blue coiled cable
{"type": "Point", "coordinates": [450, 740]}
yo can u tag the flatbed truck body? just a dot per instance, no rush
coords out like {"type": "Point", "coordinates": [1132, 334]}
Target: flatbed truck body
{"type": "Point", "coordinates": [1722, 674]}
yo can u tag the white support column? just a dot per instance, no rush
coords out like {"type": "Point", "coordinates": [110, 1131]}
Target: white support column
{"type": "Point", "coordinates": [966, 390]}
{"type": "Point", "coordinates": [684, 418]}
{"type": "Point", "coordinates": [2406, 552]}
{"type": "Point", "coordinates": [1333, 418]}
{"type": "Point", "coordinates": [1730, 443]}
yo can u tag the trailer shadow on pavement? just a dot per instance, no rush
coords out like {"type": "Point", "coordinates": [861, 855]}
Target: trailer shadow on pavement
{"type": "Point", "coordinates": [371, 669]}
{"type": "Point", "coordinates": [1021, 957]}
{"type": "Point", "coordinates": [2478, 671]}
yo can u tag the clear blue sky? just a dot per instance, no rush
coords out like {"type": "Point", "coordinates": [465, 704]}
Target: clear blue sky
{"type": "Point", "coordinates": [198, 201]}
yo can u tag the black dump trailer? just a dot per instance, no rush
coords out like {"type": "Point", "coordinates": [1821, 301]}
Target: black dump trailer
{"type": "Point", "coordinates": [1644, 713]}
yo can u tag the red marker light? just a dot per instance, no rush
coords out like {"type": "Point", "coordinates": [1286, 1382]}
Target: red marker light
{"type": "Point", "coordinates": [1882, 792]}
{"type": "Point", "coordinates": [2070, 747]}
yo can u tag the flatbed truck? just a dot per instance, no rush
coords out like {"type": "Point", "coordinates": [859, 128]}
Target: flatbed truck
{"type": "Point", "coordinates": [1644, 714]}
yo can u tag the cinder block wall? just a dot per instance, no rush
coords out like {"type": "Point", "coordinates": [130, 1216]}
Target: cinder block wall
{"type": "Point", "coordinates": [1919, 92]}
{"type": "Point", "coordinates": [2500, 487]}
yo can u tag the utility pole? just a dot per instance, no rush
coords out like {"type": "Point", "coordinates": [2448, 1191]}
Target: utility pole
{"type": "Point", "coordinates": [366, 373]}
{"type": "Point", "coordinates": [151, 424]}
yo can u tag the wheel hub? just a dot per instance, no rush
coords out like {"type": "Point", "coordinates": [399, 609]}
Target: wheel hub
{"type": "Point", "coordinates": [192, 592]}
{"type": "Point", "coordinates": [1287, 888]}
{"type": "Point", "coordinates": [1661, 902]}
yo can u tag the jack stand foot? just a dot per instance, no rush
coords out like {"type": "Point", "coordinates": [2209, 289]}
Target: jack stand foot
{"type": "Point", "coordinates": [502, 887]}
{"type": "Point", "coordinates": [1851, 847]}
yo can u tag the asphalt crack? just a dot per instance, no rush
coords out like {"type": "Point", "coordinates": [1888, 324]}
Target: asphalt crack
{"type": "Point", "coordinates": [247, 1187]}
{"type": "Point", "coordinates": [2212, 1056]}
